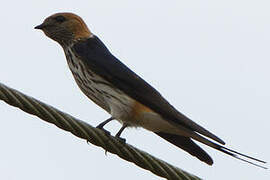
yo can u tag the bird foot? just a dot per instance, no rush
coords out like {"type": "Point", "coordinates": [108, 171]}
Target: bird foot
{"type": "Point", "coordinates": [104, 130]}
{"type": "Point", "coordinates": [122, 140]}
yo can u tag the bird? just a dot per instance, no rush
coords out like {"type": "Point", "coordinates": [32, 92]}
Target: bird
{"type": "Point", "coordinates": [127, 97]}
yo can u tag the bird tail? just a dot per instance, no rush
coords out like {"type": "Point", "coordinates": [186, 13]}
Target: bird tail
{"type": "Point", "coordinates": [241, 156]}
{"type": "Point", "coordinates": [192, 148]}
{"type": "Point", "coordinates": [187, 145]}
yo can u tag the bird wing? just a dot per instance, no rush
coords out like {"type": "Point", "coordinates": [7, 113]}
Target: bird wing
{"type": "Point", "coordinates": [99, 59]}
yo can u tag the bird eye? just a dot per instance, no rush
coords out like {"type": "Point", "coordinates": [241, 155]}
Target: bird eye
{"type": "Point", "coordinates": [60, 19]}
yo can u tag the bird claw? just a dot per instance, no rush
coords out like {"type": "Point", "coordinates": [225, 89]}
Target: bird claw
{"type": "Point", "coordinates": [122, 140]}
{"type": "Point", "coordinates": [104, 130]}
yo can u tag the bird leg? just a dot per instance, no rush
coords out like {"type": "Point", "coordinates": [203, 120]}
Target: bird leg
{"type": "Point", "coordinates": [101, 125]}
{"type": "Point", "coordinates": [119, 133]}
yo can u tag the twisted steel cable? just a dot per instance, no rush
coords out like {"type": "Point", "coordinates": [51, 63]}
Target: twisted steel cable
{"type": "Point", "coordinates": [93, 135]}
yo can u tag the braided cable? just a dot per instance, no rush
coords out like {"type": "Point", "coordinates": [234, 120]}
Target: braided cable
{"type": "Point", "coordinates": [93, 135]}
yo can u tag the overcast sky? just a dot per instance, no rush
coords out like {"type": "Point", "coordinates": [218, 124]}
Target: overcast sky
{"type": "Point", "coordinates": [209, 59]}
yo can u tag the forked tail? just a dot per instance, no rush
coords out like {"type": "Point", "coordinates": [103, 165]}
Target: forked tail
{"type": "Point", "coordinates": [228, 151]}
{"type": "Point", "coordinates": [188, 145]}
{"type": "Point", "coordinates": [238, 155]}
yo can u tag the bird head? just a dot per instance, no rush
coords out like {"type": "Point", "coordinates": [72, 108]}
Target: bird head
{"type": "Point", "coordinates": [65, 28]}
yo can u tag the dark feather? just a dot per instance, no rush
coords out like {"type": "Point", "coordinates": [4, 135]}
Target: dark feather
{"type": "Point", "coordinates": [188, 145]}
{"type": "Point", "coordinates": [98, 58]}
{"type": "Point", "coordinates": [192, 148]}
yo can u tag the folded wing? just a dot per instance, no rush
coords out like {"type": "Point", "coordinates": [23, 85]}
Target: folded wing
{"type": "Point", "coordinates": [97, 57]}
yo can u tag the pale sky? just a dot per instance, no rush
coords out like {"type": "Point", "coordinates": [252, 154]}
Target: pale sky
{"type": "Point", "coordinates": [209, 59]}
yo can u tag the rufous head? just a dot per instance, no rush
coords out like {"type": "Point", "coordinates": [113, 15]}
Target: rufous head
{"type": "Point", "coordinates": [65, 28]}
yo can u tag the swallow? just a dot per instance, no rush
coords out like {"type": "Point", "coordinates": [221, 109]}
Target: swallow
{"type": "Point", "coordinates": [123, 94]}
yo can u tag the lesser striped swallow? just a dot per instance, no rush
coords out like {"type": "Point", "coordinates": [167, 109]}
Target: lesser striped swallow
{"type": "Point", "coordinates": [123, 94]}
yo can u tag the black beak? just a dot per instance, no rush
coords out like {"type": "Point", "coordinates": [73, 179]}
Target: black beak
{"type": "Point", "coordinates": [40, 26]}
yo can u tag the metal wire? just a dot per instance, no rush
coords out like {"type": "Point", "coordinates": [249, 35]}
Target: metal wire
{"type": "Point", "coordinates": [93, 135]}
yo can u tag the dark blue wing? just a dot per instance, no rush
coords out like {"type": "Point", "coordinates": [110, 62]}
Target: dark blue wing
{"type": "Point", "coordinates": [98, 58]}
